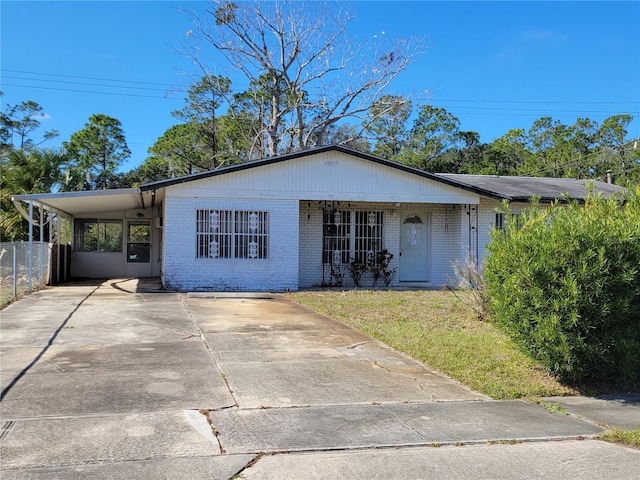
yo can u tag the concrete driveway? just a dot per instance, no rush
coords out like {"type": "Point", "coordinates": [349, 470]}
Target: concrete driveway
{"type": "Point", "coordinates": [116, 379]}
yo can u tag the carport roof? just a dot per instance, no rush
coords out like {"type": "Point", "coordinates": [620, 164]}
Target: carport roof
{"type": "Point", "coordinates": [89, 202]}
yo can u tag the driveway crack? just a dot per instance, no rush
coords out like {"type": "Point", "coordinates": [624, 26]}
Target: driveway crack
{"type": "Point", "coordinates": [214, 430]}
{"type": "Point", "coordinates": [209, 351]}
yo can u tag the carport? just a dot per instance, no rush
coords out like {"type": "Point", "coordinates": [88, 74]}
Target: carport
{"type": "Point", "coordinates": [96, 234]}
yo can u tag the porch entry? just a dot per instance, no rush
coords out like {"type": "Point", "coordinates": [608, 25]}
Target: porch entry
{"type": "Point", "coordinates": [414, 248]}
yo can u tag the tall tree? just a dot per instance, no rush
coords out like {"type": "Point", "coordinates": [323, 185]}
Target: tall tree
{"type": "Point", "coordinates": [180, 147]}
{"type": "Point", "coordinates": [388, 125]}
{"type": "Point", "coordinates": [561, 150]}
{"type": "Point", "coordinates": [98, 149]}
{"type": "Point", "coordinates": [615, 153]}
{"type": "Point", "coordinates": [466, 156]}
{"type": "Point", "coordinates": [298, 57]}
{"type": "Point", "coordinates": [203, 99]}
{"type": "Point", "coordinates": [32, 171]}
{"type": "Point", "coordinates": [18, 123]}
{"type": "Point", "coordinates": [434, 131]}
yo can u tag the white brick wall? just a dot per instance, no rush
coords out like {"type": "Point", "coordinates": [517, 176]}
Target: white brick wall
{"type": "Point", "coordinates": [487, 220]}
{"type": "Point", "coordinates": [446, 237]}
{"type": "Point", "coordinates": [183, 271]}
{"type": "Point", "coordinates": [295, 244]}
{"type": "Point", "coordinates": [448, 234]}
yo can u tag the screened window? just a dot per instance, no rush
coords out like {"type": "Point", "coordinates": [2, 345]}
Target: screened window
{"type": "Point", "coordinates": [232, 234]}
{"type": "Point", "coordinates": [351, 235]}
{"type": "Point", "coordinates": [93, 235]}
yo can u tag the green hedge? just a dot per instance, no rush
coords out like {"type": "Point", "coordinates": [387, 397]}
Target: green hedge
{"type": "Point", "coordinates": [564, 282]}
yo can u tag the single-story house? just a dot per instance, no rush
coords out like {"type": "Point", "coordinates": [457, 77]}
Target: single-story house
{"type": "Point", "coordinates": [294, 221]}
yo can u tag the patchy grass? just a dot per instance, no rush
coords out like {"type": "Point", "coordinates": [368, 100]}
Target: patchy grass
{"type": "Point", "coordinates": [438, 329]}
{"type": "Point", "coordinates": [630, 438]}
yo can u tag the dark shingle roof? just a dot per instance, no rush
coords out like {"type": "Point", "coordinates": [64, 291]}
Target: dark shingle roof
{"type": "Point", "coordinates": [523, 189]}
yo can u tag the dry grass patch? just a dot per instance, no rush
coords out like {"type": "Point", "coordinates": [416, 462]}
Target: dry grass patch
{"type": "Point", "coordinates": [438, 329]}
{"type": "Point", "coordinates": [630, 438]}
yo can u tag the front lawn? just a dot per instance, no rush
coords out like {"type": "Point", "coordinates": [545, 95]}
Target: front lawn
{"type": "Point", "coordinates": [438, 329]}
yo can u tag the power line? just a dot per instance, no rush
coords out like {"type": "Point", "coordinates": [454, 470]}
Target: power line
{"type": "Point", "coordinates": [90, 91]}
{"type": "Point", "coordinates": [86, 83]}
{"type": "Point", "coordinates": [176, 88]}
{"type": "Point", "coordinates": [521, 112]}
{"type": "Point", "coordinates": [535, 102]}
{"type": "Point", "coordinates": [88, 78]}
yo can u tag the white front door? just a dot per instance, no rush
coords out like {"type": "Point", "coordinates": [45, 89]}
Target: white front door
{"type": "Point", "coordinates": [414, 248]}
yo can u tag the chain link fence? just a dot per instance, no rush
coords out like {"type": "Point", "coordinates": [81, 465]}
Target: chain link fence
{"type": "Point", "coordinates": [21, 272]}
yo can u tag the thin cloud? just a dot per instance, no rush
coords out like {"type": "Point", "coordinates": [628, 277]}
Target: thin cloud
{"type": "Point", "coordinates": [523, 42]}
{"type": "Point", "coordinates": [547, 36]}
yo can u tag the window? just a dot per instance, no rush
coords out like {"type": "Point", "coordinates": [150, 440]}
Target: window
{"type": "Point", "coordinates": [138, 241]}
{"type": "Point", "coordinates": [415, 219]}
{"type": "Point", "coordinates": [336, 237]}
{"type": "Point", "coordinates": [92, 235]}
{"type": "Point", "coordinates": [232, 234]}
{"type": "Point", "coordinates": [350, 235]}
{"type": "Point", "coordinates": [368, 236]}
{"type": "Point", "coordinates": [501, 223]}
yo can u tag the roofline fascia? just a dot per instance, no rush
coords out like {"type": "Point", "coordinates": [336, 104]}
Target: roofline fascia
{"type": "Point", "coordinates": [82, 193]}
{"type": "Point", "coordinates": [16, 202]}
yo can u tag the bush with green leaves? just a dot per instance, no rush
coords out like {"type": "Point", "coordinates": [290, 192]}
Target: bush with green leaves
{"type": "Point", "coordinates": [564, 282]}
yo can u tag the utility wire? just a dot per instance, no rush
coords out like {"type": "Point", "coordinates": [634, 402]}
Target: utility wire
{"type": "Point", "coordinates": [86, 83]}
{"type": "Point", "coordinates": [166, 97]}
{"type": "Point", "coordinates": [88, 78]}
{"type": "Point", "coordinates": [485, 111]}
{"type": "Point", "coordinates": [176, 88]}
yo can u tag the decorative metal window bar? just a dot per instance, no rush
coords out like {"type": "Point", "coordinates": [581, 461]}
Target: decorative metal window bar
{"type": "Point", "coordinates": [251, 234]}
{"type": "Point", "coordinates": [231, 234]}
{"type": "Point", "coordinates": [368, 237]}
{"type": "Point", "coordinates": [344, 239]}
{"type": "Point", "coordinates": [336, 238]}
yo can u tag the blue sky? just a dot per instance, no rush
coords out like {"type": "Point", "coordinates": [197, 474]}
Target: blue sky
{"type": "Point", "coordinates": [494, 65]}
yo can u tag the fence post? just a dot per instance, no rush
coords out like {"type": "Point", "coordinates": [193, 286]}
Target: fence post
{"type": "Point", "coordinates": [15, 271]}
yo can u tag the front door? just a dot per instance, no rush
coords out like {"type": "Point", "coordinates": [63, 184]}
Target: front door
{"type": "Point", "coordinates": [138, 249]}
{"type": "Point", "coordinates": [414, 248]}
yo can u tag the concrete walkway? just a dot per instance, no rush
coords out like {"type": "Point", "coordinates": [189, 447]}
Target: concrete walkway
{"type": "Point", "coordinates": [119, 380]}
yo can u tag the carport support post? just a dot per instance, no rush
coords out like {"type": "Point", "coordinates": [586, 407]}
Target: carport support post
{"type": "Point", "coordinates": [40, 266]}
{"type": "Point", "coordinates": [15, 271]}
{"type": "Point", "coordinates": [30, 254]}
{"type": "Point", "coordinates": [58, 240]}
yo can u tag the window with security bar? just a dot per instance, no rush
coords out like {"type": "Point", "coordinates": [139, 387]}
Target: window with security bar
{"type": "Point", "coordinates": [351, 235]}
{"type": "Point", "coordinates": [232, 234]}
{"type": "Point", "coordinates": [336, 238]}
{"type": "Point", "coordinates": [368, 234]}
